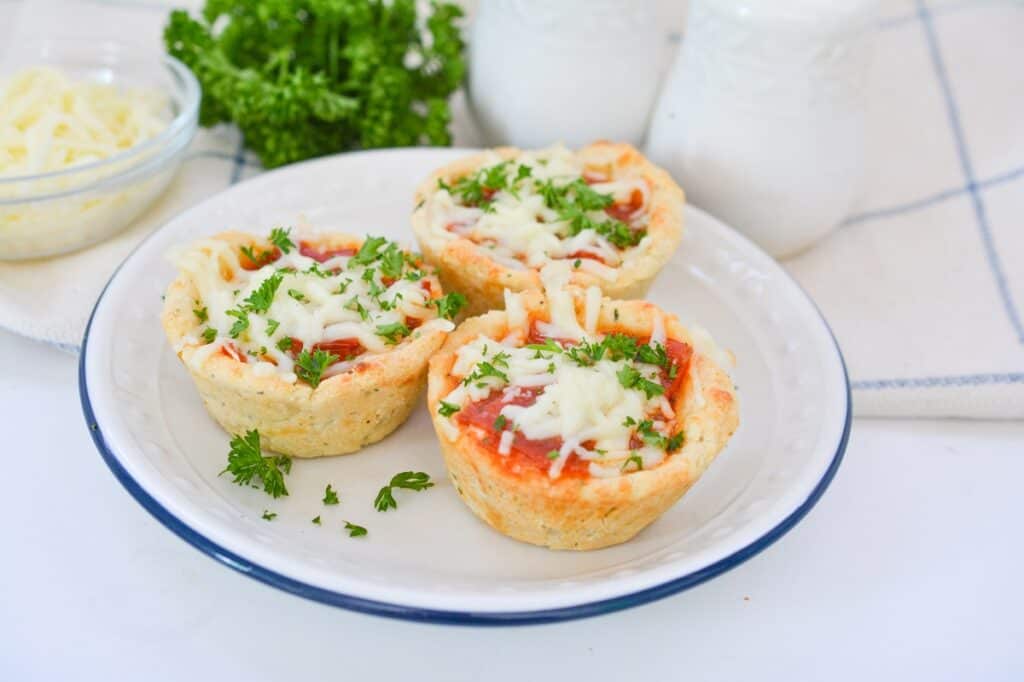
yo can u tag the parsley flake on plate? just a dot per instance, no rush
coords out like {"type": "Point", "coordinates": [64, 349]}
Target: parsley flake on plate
{"type": "Point", "coordinates": [247, 463]}
{"type": "Point", "coordinates": [408, 480]}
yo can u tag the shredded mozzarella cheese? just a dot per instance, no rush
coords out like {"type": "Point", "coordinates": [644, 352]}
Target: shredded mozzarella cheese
{"type": "Point", "coordinates": [353, 303]}
{"type": "Point", "coordinates": [520, 230]}
{"type": "Point", "coordinates": [49, 122]}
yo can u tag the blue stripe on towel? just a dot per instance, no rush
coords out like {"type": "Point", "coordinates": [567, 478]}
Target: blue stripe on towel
{"type": "Point", "coordinates": [956, 381]}
{"type": "Point", "coordinates": [995, 265]}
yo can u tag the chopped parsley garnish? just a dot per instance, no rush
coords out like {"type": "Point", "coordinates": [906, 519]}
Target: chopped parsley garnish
{"type": "Point", "coordinates": [499, 422]}
{"type": "Point", "coordinates": [577, 263]}
{"type": "Point", "coordinates": [670, 444]}
{"type": "Point", "coordinates": [368, 251]}
{"type": "Point", "coordinates": [241, 322]}
{"type": "Point", "coordinates": [209, 334]}
{"type": "Point", "coordinates": [342, 286]}
{"type": "Point", "coordinates": [549, 346]}
{"type": "Point", "coordinates": [449, 305]}
{"type": "Point", "coordinates": [355, 306]}
{"type": "Point", "coordinates": [260, 299]}
{"type": "Point", "coordinates": [330, 495]}
{"type": "Point", "coordinates": [316, 520]}
{"type": "Point", "coordinates": [393, 332]}
{"type": "Point", "coordinates": [279, 238]}
{"type": "Point", "coordinates": [269, 515]}
{"type": "Point", "coordinates": [272, 326]}
{"type": "Point", "coordinates": [636, 459]}
{"type": "Point", "coordinates": [284, 344]}
{"type": "Point", "coordinates": [355, 531]}
{"type": "Point", "coordinates": [630, 377]}
{"type": "Point", "coordinates": [200, 312]}
{"type": "Point", "coordinates": [485, 369]}
{"type": "Point", "coordinates": [447, 409]}
{"type": "Point", "coordinates": [297, 295]}
{"type": "Point", "coordinates": [257, 258]}
{"type": "Point", "coordinates": [247, 462]}
{"type": "Point", "coordinates": [314, 269]}
{"type": "Point", "coordinates": [310, 366]}
{"type": "Point", "coordinates": [408, 480]}
{"type": "Point", "coordinates": [392, 261]}
{"type": "Point", "coordinates": [553, 454]}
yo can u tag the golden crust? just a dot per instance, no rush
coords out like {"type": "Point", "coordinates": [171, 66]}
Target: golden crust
{"type": "Point", "coordinates": [343, 414]}
{"type": "Point", "coordinates": [464, 267]}
{"type": "Point", "coordinates": [585, 513]}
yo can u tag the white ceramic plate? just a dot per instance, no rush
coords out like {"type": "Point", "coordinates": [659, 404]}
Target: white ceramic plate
{"type": "Point", "coordinates": [432, 559]}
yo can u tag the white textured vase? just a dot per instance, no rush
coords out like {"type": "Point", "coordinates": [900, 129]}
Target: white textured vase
{"type": "Point", "coordinates": [574, 71]}
{"type": "Point", "coordinates": [762, 116]}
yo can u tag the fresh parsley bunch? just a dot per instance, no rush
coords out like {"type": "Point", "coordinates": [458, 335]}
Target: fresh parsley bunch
{"type": "Point", "coordinates": [304, 78]}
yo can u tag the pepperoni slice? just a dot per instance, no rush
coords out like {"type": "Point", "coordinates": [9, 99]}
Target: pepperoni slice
{"type": "Point", "coordinates": [530, 453]}
{"type": "Point", "coordinates": [585, 254]}
{"type": "Point", "coordinates": [344, 349]}
{"type": "Point", "coordinates": [321, 254]}
{"type": "Point", "coordinates": [263, 257]}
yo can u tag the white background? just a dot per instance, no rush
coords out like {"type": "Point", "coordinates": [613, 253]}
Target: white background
{"type": "Point", "coordinates": [908, 568]}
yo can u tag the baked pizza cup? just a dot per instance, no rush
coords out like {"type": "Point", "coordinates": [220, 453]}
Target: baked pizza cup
{"type": "Point", "coordinates": [321, 343]}
{"type": "Point", "coordinates": [573, 421]}
{"type": "Point", "coordinates": [492, 221]}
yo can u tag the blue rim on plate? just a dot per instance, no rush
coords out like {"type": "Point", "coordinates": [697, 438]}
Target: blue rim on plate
{"type": "Point", "coordinates": [399, 611]}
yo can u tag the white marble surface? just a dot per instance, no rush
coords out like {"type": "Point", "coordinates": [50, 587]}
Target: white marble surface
{"type": "Point", "coordinates": [908, 568]}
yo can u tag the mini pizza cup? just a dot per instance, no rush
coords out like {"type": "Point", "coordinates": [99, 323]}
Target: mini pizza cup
{"type": "Point", "coordinates": [342, 414]}
{"type": "Point", "coordinates": [463, 265]}
{"type": "Point", "coordinates": [585, 512]}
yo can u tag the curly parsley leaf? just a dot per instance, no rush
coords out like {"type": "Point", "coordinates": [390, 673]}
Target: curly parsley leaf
{"type": "Point", "coordinates": [355, 531]}
{"type": "Point", "coordinates": [304, 79]}
{"type": "Point", "coordinates": [393, 332]}
{"type": "Point", "coordinates": [447, 409]}
{"type": "Point", "coordinates": [241, 321]}
{"type": "Point", "coordinates": [310, 366]}
{"type": "Point", "coordinates": [369, 251]}
{"type": "Point", "coordinates": [449, 305]}
{"type": "Point", "coordinates": [262, 297]}
{"type": "Point", "coordinates": [634, 459]}
{"type": "Point", "coordinates": [269, 515]}
{"type": "Point", "coordinates": [408, 480]}
{"type": "Point", "coordinates": [247, 463]}
{"type": "Point", "coordinates": [330, 495]}
{"type": "Point", "coordinates": [279, 238]}
{"type": "Point", "coordinates": [630, 377]}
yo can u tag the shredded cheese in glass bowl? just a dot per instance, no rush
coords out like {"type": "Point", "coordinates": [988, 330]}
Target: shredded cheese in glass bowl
{"type": "Point", "coordinates": [90, 134]}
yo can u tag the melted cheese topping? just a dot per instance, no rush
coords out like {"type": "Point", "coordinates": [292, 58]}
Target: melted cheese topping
{"type": "Point", "coordinates": [579, 404]}
{"type": "Point", "coordinates": [352, 303]}
{"type": "Point", "coordinates": [49, 123]}
{"type": "Point", "coordinates": [519, 230]}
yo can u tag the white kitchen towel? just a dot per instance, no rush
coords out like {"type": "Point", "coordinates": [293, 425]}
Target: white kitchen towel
{"type": "Point", "coordinates": [923, 285]}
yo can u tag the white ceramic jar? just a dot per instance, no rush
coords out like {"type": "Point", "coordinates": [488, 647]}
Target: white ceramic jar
{"type": "Point", "coordinates": [762, 116]}
{"type": "Point", "coordinates": [572, 71]}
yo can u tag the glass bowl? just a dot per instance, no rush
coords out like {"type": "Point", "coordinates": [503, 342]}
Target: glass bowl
{"type": "Point", "coordinates": [60, 211]}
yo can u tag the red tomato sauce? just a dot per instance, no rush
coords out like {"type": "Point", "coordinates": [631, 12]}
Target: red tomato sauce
{"type": "Point", "coordinates": [585, 254]}
{"type": "Point", "coordinates": [263, 257]}
{"type": "Point", "coordinates": [344, 349]}
{"type": "Point", "coordinates": [322, 254]}
{"type": "Point", "coordinates": [624, 210]}
{"type": "Point", "coordinates": [524, 452]}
